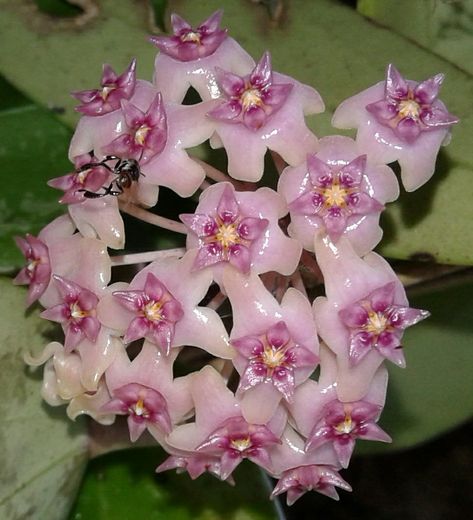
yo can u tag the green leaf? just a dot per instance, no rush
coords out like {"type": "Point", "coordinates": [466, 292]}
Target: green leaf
{"type": "Point", "coordinates": [445, 28]}
{"type": "Point", "coordinates": [434, 393]}
{"type": "Point", "coordinates": [323, 44]}
{"type": "Point", "coordinates": [43, 454]}
{"type": "Point", "coordinates": [33, 149]}
{"type": "Point", "coordinates": [123, 485]}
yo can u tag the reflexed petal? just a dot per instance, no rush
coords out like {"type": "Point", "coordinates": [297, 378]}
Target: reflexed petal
{"type": "Point", "coordinates": [213, 21]}
{"type": "Point", "coordinates": [108, 75]}
{"type": "Point", "coordinates": [162, 334]}
{"type": "Point", "coordinates": [395, 355]}
{"type": "Point", "coordinates": [372, 432]}
{"type": "Point", "coordinates": [254, 374]}
{"type": "Point", "coordinates": [403, 317]}
{"type": "Point", "coordinates": [228, 463]}
{"type": "Point", "coordinates": [283, 380]}
{"type": "Point", "coordinates": [179, 24]}
{"type": "Point", "coordinates": [131, 300]}
{"type": "Point", "coordinates": [319, 436]}
{"type": "Point", "coordinates": [74, 336]}
{"type": "Point", "coordinates": [134, 117]}
{"type": "Point", "coordinates": [58, 313]}
{"type": "Point", "coordinates": [91, 328]}
{"type": "Point", "coordinates": [136, 428]}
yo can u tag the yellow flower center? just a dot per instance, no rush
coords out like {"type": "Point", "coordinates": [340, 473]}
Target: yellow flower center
{"type": "Point", "coordinates": [141, 133]}
{"type": "Point", "coordinates": [140, 408]}
{"type": "Point", "coordinates": [227, 235]}
{"type": "Point", "coordinates": [335, 195]}
{"type": "Point", "coordinates": [191, 36]}
{"type": "Point", "coordinates": [251, 97]}
{"type": "Point", "coordinates": [409, 108]}
{"type": "Point", "coordinates": [377, 323]}
{"type": "Point", "coordinates": [241, 444]}
{"type": "Point", "coordinates": [152, 311]}
{"type": "Point", "coordinates": [272, 358]}
{"type": "Point", "coordinates": [106, 91]}
{"type": "Point", "coordinates": [346, 426]}
{"type": "Point", "coordinates": [31, 265]}
{"type": "Point", "coordinates": [77, 312]}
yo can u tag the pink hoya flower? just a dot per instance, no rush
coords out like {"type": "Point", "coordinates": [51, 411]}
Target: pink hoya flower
{"type": "Point", "coordinates": [263, 110]}
{"type": "Point", "coordinates": [189, 44]}
{"type": "Point", "coordinates": [329, 422]}
{"type": "Point", "coordinates": [59, 250]}
{"type": "Point", "coordinates": [366, 307]}
{"type": "Point", "coordinates": [220, 430]}
{"type": "Point", "coordinates": [77, 313]}
{"type": "Point", "coordinates": [159, 131]}
{"type": "Point", "coordinates": [276, 344]}
{"type": "Point", "coordinates": [400, 120]}
{"type": "Point", "coordinates": [343, 423]}
{"type": "Point", "coordinates": [145, 134]}
{"type": "Point", "coordinates": [190, 56]}
{"type": "Point", "coordinates": [114, 90]}
{"type": "Point", "coordinates": [161, 304]}
{"type": "Point", "coordinates": [145, 391]}
{"type": "Point", "coordinates": [297, 481]}
{"type": "Point", "coordinates": [273, 357]}
{"type": "Point", "coordinates": [240, 228]}
{"type": "Point", "coordinates": [337, 192]}
{"type": "Point", "coordinates": [89, 175]}
{"type": "Point", "coordinates": [376, 322]}
{"type": "Point", "coordinates": [156, 312]}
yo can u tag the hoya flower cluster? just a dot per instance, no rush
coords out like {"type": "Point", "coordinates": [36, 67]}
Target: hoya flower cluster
{"type": "Point", "coordinates": [248, 247]}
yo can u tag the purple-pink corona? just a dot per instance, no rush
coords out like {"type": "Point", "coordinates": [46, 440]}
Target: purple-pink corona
{"type": "Point", "coordinates": [289, 383]}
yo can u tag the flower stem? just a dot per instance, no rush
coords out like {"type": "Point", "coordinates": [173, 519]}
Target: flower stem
{"type": "Point", "coordinates": [218, 176]}
{"type": "Point", "coordinates": [149, 256]}
{"type": "Point", "coordinates": [151, 218]}
{"type": "Point", "coordinates": [279, 162]}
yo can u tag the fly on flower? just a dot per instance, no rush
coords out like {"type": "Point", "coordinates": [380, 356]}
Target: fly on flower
{"type": "Point", "coordinates": [127, 171]}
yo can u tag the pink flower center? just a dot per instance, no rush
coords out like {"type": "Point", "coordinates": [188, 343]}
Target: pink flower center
{"type": "Point", "coordinates": [409, 108]}
{"type": "Point", "coordinates": [377, 323]}
{"type": "Point", "coordinates": [273, 357]}
{"type": "Point", "coordinates": [141, 133]}
{"type": "Point", "coordinates": [106, 90]}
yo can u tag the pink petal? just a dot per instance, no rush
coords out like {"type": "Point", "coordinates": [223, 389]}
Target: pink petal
{"type": "Point", "coordinates": [254, 374]}
{"type": "Point", "coordinates": [91, 328]}
{"type": "Point", "coordinates": [372, 432]}
{"type": "Point", "coordinates": [382, 298]}
{"type": "Point", "coordinates": [360, 346]}
{"type": "Point", "coordinates": [137, 329]}
{"type": "Point", "coordinates": [136, 428]}
{"type": "Point", "coordinates": [344, 449]}
{"type": "Point", "coordinates": [352, 173]}
{"type": "Point", "coordinates": [227, 208]}
{"type": "Point", "coordinates": [179, 24]}
{"type": "Point", "coordinates": [162, 334]}
{"type": "Point", "coordinates": [230, 460]}
{"type": "Point", "coordinates": [408, 129]}
{"type": "Point", "coordinates": [228, 110]}
{"type": "Point", "coordinates": [278, 335]}
{"type": "Point", "coordinates": [213, 21]}
{"type": "Point", "coordinates": [275, 95]}
{"type": "Point", "coordinates": [231, 84]}
{"type": "Point", "coordinates": [396, 86]}
{"type": "Point", "coordinates": [154, 288]}
{"type": "Point", "coordinates": [428, 91]}
{"type": "Point", "coordinates": [249, 346]}
{"type": "Point", "coordinates": [320, 172]}
{"type": "Point", "coordinates": [254, 118]}
{"type": "Point", "coordinates": [202, 225]}
{"type": "Point", "coordinates": [108, 75]}
{"type": "Point", "coordinates": [362, 204]}
{"type": "Point", "coordinates": [134, 117]}
{"type": "Point", "coordinates": [251, 228]}
{"type": "Point", "coordinates": [58, 313]}
{"type": "Point", "coordinates": [240, 257]}
{"type": "Point", "coordinates": [335, 223]}
{"type": "Point", "coordinates": [209, 254]}
{"type": "Point", "coordinates": [172, 311]}
{"type": "Point", "coordinates": [383, 110]}
{"type": "Point", "coordinates": [283, 380]}
{"type": "Point", "coordinates": [437, 116]}
{"type": "Point", "coordinates": [262, 75]}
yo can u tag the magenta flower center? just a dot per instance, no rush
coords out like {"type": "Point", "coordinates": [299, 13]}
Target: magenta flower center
{"type": "Point", "coordinates": [106, 90]}
{"type": "Point", "coordinates": [191, 36]}
{"type": "Point", "coordinates": [76, 313]}
{"type": "Point", "coordinates": [251, 97]}
{"type": "Point", "coordinates": [241, 444]}
{"type": "Point", "coordinates": [141, 133]}
{"type": "Point", "coordinates": [377, 323]}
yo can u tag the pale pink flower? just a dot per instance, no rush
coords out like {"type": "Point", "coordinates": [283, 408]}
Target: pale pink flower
{"type": "Point", "coordinates": [241, 229]}
{"type": "Point", "coordinates": [190, 56]}
{"type": "Point", "coordinates": [113, 90]}
{"type": "Point", "coordinates": [337, 192]}
{"type": "Point", "coordinates": [260, 111]}
{"type": "Point", "coordinates": [399, 120]}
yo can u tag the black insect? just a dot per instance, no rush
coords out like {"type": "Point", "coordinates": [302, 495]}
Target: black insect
{"type": "Point", "coordinates": [127, 171]}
